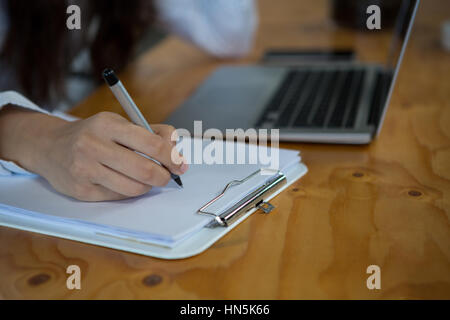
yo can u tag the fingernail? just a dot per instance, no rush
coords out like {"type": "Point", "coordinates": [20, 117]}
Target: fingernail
{"type": "Point", "coordinates": [175, 136]}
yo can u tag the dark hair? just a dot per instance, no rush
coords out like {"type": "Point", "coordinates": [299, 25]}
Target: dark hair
{"type": "Point", "coordinates": [38, 46]}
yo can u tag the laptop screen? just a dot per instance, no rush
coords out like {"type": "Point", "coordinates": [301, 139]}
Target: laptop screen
{"type": "Point", "coordinates": [402, 31]}
{"type": "Point", "coordinates": [403, 21]}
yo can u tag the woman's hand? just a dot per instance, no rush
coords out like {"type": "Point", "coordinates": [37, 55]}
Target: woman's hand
{"type": "Point", "coordinates": [92, 159]}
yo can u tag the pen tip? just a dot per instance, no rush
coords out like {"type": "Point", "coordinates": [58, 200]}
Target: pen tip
{"type": "Point", "coordinates": [178, 181]}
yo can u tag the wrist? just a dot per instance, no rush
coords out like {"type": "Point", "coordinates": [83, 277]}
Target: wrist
{"type": "Point", "coordinates": [26, 136]}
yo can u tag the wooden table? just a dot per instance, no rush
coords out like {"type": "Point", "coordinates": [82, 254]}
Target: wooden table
{"type": "Point", "coordinates": [386, 204]}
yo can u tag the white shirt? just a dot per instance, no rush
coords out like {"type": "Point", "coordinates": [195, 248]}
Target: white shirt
{"type": "Point", "coordinates": [223, 28]}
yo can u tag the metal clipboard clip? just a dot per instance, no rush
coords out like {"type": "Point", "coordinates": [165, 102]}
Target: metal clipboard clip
{"type": "Point", "coordinates": [255, 199]}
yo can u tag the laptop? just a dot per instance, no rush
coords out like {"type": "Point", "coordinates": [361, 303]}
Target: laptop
{"type": "Point", "coordinates": [324, 102]}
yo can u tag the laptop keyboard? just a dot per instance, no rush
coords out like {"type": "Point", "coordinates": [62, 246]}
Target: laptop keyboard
{"type": "Point", "coordinates": [315, 98]}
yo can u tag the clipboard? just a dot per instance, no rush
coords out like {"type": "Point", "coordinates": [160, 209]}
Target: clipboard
{"type": "Point", "coordinates": [221, 224]}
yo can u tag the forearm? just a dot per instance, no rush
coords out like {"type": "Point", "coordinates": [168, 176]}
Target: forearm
{"type": "Point", "coordinates": [25, 135]}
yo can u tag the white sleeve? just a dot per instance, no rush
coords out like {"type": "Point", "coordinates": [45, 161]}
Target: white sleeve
{"type": "Point", "coordinates": [8, 168]}
{"type": "Point", "coordinates": [224, 28]}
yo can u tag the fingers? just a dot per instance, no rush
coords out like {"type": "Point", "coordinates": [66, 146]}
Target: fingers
{"type": "Point", "coordinates": [155, 146]}
{"type": "Point", "coordinates": [132, 165]}
{"type": "Point", "coordinates": [118, 183]}
{"type": "Point", "coordinates": [167, 132]}
{"type": "Point", "coordinates": [111, 141]}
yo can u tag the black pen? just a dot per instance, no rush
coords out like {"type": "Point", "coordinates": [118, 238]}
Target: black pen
{"type": "Point", "coordinates": [130, 108]}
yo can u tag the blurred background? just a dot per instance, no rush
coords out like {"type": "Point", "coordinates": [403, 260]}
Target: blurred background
{"type": "Point", "coordinates": [294, 26]}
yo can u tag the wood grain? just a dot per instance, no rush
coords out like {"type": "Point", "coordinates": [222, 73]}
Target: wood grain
{"type": "Point", "coordinates": [386, 204]}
